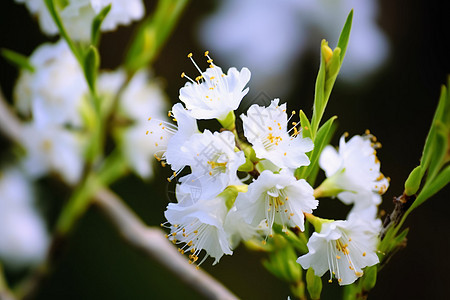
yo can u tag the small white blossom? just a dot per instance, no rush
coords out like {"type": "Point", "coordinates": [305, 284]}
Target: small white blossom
{"type": "Point", "coordinates": [23, 236]}
{"type": "Point", "coordinates": [266, 128]}
{"type": "Point", "coordinates": [277, 198]}
{"type": "Point", "coordinates": [53, 149]}
{"type": "Point", "coordinates": [77, 15]}
{"type": "Point", "coordinates": [344, 248]}
{"type": "Point", "coordinates": [214, 94]}
{"type": "Point", "coordinates": [355, 169]}
{"type": "Point", "coordinates": [214, 162]}
{"type": "Point", "coordinates": [55, 91]}
{"type": "Point", "coordinates": [142, 97]}
{"type": "Point", "coordinates": [237, 229]}
{"type": "Point", "coordinates": [174, 154]}
{"type": "Point", "coordinates": [199, 226]}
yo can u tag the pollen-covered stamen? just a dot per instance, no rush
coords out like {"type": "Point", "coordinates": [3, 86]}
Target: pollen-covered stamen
{"type": "Point", "coordinates": [276, 202]}
{"type": "Point", "coordinates": [194, 236]}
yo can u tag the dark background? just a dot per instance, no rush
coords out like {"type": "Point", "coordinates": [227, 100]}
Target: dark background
{"type": "Point", "coordinates": [393, 104]}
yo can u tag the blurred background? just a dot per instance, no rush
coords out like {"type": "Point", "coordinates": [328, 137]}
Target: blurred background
{"type": "Point", "coordinates": [394, 68]}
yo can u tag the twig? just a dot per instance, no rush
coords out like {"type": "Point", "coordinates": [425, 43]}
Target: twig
{"type": "Point", "coordinates": [152, 242]}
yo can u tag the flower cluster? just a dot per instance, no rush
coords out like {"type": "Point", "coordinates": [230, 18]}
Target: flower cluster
{"type": "Point", "coordinates": [77, 15]}
{"type": "Point", "coordinates": [238, 187]}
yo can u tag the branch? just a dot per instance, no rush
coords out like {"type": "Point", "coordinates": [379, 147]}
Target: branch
{"type": "Point", "coordinates": [10, 125]}
{"type": "Point", "coordinates": [153, 243]}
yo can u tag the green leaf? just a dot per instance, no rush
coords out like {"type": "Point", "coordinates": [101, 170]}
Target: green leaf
{"type": "Point", "coordinates": [97, 23]}
{"type": "Point", "coordinates": [57, 19]}
{"type": "Point", "coordinates": [345, 35]}
{"type": "Point", "coordinates": [330, 65]}
{"type": "Point", "coordinates": [152, 34]}
{"type": "Point", "coordinates": [313, 284]}
{"type": "Point", "coordinates": [17, 59]}
{"type": "Point", "coordinates": [306, 126]}
{"type": "Point", "coordinates": [323, 138]}
{"type": "Point", "coordinates": [90, 66]}
{"type": "Point", "coordinates": [319, 97]}
{"type": "Point", "coordinates": [412, 184]}
{"type": "Point", "coordinates": [438, 148]}
{"type": "Point", "coordinates": [430, 140]}
{"type": "Point", "coordinates": [432, 187]}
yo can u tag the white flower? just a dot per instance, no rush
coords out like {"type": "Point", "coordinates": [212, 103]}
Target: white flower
{"type": "Point", "coordinates": [214, 94]}
{"type": "Point", "coordinates": [53, 149]}
{"type": "Point", "coordinates": [143, 97]}
{"type": "Point", "coordinates": [139, 148]}
{"type": "Point", "coordinates": [77, 15]}
{"type": "Point", "coordinates": [237, 229]}
{"type": "Point", "coordinates": [355, 169]}
{"type": "Point", "coordinates": [140, 99]}
{"type": "Point", "coordinates": [55, 91]}
{"type": "Point", "coordinates": [200, 227]}
{"type": "Point", "coordinates": [344, 248]}
{"type": "Point", "coordinates": [266, 128]}
{"type": "Point", "coordinates": [277, 198]}
{"type": "Point", "coordinates": [214, 162]}
{"type": "Point", "coordinates": [23, 236]}
{"type": "Point", "coordinates": [187, 126]}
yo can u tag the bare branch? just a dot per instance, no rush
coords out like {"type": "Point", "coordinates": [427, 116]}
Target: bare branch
{"type": "Point", "coordinates": [153, 243]}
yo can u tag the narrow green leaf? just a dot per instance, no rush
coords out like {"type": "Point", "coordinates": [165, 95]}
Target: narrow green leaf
{"type": "Point", "coordinates": [345, 35]}
{"type": "Point", "coordinates": [152, 34]}
{"type": "Point", "coordinates": [432, 187]}
{"type": "Point", "coordinates": [90, 66]}
{"type": "Point", "coordinates": [57, 19]}
{"type": "Point", "coordinates": [319, 97]}
{"type": "Point", "coordinates": [438, 148]}
{"type": "Point", "coordinates": [313, 284]}
{"type": "Point", "coordinates": [97, 23]}
{"type": "Point", "coordinates": [323, 138]}
{"type": "Point", "coordinates": [427, 154]}
{"type": "Point", "coordinates": [17, 59]}
{"type": "Point", "coordinates": [306, 126]}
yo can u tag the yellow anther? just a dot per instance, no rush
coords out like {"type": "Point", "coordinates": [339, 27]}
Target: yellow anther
{"type": "Point", "coordinates": [338, 257]}
{"type": "Point", "coordinates": [263, 242]}
{"type": "Point", "coordinates": [146, 132]}
{"type": "Point", "coordinates": [182, 75]}
{"type": "Point", "coordinates": [206, 53]}
{"type": "Point", "coordinates": [189, 55]}
{"type": "Point", "coordinates": [330, 281]}
{"type": "Point", "coordinates": [149, 118]}
{"type": "Point", "coordinates": [364, 253]}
